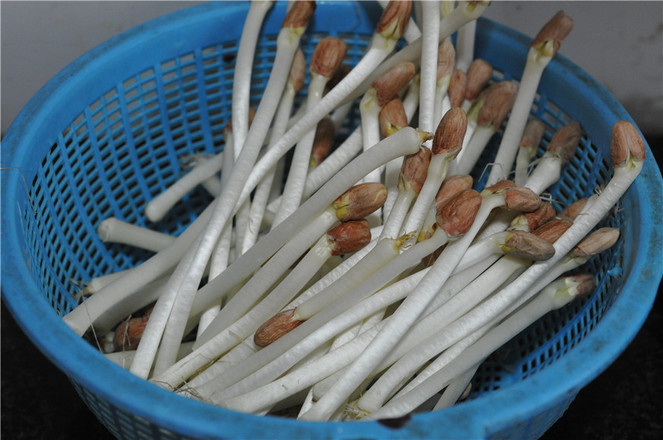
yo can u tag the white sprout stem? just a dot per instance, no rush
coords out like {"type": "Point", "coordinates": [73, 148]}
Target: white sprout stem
{"type": "Point", "coordinates": [469, 132]}
{"type": "Point", "coordinates": [279, 356]}
{"type": "Point", "coordinates": [340, 115]}
{"type": "Point", "coordinates": [459, 281]}
{"type": "Point", "coordinates": [393, 168]}
{"type": "Point", "coordinates": [124, 358]}
{"type": "Point", "coordinates": [97, 283]}
{"type": "Point", "coordinates": [412, 354]}
{"type": "Point", "coordinates": [378, 279]}
{"type": "Point", "coordinates": [369, 110]}
{"type": "Point", "coordinates": [353, 331]}
{"type": "Point", "coordinates": [523, 160]}
{"type": "Point", "coordinates": [499, 222]}
{"type": "Point", "coordinates": [359, 327]}
{"type": "Point", "coordinates": [159, 206]}
{"type": "Point", "coordinates": [149, 343]}
{"type": "Point", "coordinates": [380, 47]}
{"type": "Point", "coordinates": [428, 72]}
{"type": "Point", "coordinates": [550, 298]}
{"type": "Point", "coordinates": [370, 135]}
{"type": "Point", "coordinates": [294, 185]}
{"type": "Point", "coordinates": [306, 404]}
{"type": "Point", "coordinates": [264, 188]}
{"type": "Point", "coordinates": [461, 15]}
{"type": "Point", "coordinates": [475, 147]}
{"type": "Point", "coordinates": [402, 288]}
{"type": "Point", "coordinates": [437, 170]}
{"type": "Point", "coordinates": [383, 252]}
{"type": "Point", "coordinates": [411, 98]}
{"type": "Point", "coordinates": [178, 373]}
{"type": "Point", "coordinates": [446, 105]}
{"type": "Point", "coordinates": [481, 248]}
{"type": "Point", "coordinates": [123, 288]}
{"type": "Point", "coordinates": [221, 254]}
{"type": "Point", "coordinates": [548, 171]}
{"type": "Point", "coordinates": [243, 68]}
{"type": "Point", "coordinates": [411, 32]}
{"type": "Point", "coordinates": [248, 347]}
{"type": "Point", "coordinates": [397, 213]}
{"type": "Point", "coordinates": [440, 95]}
{"type": "Point", "coordinates": [456, 389]}
{"type": "Point", "coordinates": [540, 272]}
{"type": "Point", "coordinates": [321, 387]}
{"type": "Point", "coordinates": [218, 262]}
{"type": "Point", "coordinates": [440, 362]}
{"type": "Point", "coordinates": [143, 297]}
{"type": "Point", "coordinates": [559, 269]}
{"type": "Point", "coordinates": [465, 45]}
{"type": "Point", "coordinates": [189, 271]}
{"type": "Point", "coordinates": [322, 333]}
{"type": "Point", "coordinates": [513, 132]}
{"type": "Point", "coordinates": [228, 337]}
{"type": "Point", "coordinates": [241, 223]}
{"type": "Point", "coordinates": [273, 392]}
{"type": "Point", "coordinates": [212, 185]}
{"type": "Point", "coordinates": [403, 317]}
{"type": "Point", "coordinates": [405, 141]}
{"type": "Point", "coordinates": [343, 154]}
{"type": "Point", "coordinates": [207, 372]}
{"type": "Point", "coordinates": [335, 273]}
{"type": "Point", "coordinates": [268, 274]}
{"type": "Point", "coordinates": [114, 230]}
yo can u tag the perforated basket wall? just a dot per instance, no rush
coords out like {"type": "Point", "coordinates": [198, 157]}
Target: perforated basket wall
{"type": "Point", "coordinates": [108, 133]}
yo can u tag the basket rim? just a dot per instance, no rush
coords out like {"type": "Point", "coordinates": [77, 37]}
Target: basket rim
{"type": "Point", "coordinates": [68, 352]}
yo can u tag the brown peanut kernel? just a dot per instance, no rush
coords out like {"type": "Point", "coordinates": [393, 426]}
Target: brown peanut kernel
{"type": "Point", "coordinates": [554, 30]}
{"type": "Point", "coordinates": [349, 237]}
{"type": "Point", "coordinates": [298, 71]}
{"type": "Point", "coordinates": [450, 132]}
{"type": "Point", "coordinates": [478, 75]}
{"type": "Point", "coordinates": [415, 168]}
{"type": "Point", "coordinates": [553, 229]}
{"type": "Point", "coordinates": [299, 15]}
{"type": "Point", "coordinates": [625, 139]}
{"type": "Point", "coordinates": [359, 201]}
{"type": "Point", "coordinates": [596, 242]}
{"type": "Point", "coordinates": [328, 56]}
{"type": "Point", "coordinates": [526, 245]}
{"type": "Point", "coordinates": [392, 117]}
{"type": "Point", "coordinates": [457, 86]}
{"type": "Point", "coordinates": [457, 215]}
{"type": "Point", "coordinates": [521, 199]}
{"type": "Point", "coordinates": [565, 141]}
{"type": "Point", "coordinates": [275, 327]}
{"type": "Point", "coordinates": [392, 81]}
{"type": "Point", "coordinates": [540, 216]}
{"type": "Point", "coordinates": [498, 99]}
{"type": "Point", "coordinates": [451, 186]}
{"type": "Point", "coordinates": [396, 11]}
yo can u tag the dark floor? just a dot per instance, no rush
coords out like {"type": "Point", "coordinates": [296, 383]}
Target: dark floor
{"type": "Point", "coordinates": [38, 402]}
{"type": "Point", "coordinates": [624, 402]}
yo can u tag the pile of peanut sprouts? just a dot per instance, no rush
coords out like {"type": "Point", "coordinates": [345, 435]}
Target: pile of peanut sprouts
{"type": "Point", "coordinates": [371, 276]}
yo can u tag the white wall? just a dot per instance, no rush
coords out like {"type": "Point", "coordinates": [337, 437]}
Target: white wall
{"type": "Point", "coordinates": [618, 43]}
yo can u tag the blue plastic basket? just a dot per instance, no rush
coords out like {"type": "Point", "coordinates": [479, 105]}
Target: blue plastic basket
{"type": "Point", "coordinates": [104, 136]}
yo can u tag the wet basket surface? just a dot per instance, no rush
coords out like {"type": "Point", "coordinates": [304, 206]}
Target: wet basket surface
{"type": "Point", "coordinates": [107, 134]}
